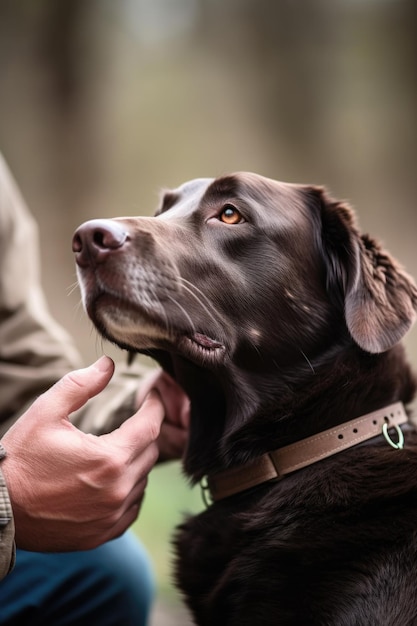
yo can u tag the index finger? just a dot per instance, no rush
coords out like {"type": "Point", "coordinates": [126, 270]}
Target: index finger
{"type": "Point", "coordinates": [143, 427]}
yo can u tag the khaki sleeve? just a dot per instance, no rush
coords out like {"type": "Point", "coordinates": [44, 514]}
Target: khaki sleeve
{"type": "Point", "coordinates": [34, 350]}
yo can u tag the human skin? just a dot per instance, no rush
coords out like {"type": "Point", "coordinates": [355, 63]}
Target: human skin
{"type": "Point", "coordinates": [70, 490]}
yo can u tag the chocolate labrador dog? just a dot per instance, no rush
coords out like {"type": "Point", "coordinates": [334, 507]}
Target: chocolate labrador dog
{"type": "Point", "coordinates": [283, 325]}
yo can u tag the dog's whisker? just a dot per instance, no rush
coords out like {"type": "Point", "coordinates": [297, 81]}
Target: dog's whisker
{"type": "Point", "coordinates": [152, 301]}
{"type": "Point", "coordinates": [72, 288]}
{"type": "Point", "coordinates": [198, 291]}
{"type": "Point", "coordinates": [195, 296]}
{"type": "Point", "coordinates": [162, 312]}
{"type": "Point", "coordinates": [308, 361]}
{"type": "Point", "coordinates": [79, 306]}
{"type": "Point", "coordinates": [184, 311]}
{"type": "Point", "coordinates": [99, 344]}
{"type": "Point", "coordinates": [78, 309]}
{"type": "Point", "coordinates": [254, 346]}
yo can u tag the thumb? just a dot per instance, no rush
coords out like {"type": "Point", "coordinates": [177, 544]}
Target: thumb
{"type": "Point", "coordinates": [73, 390]}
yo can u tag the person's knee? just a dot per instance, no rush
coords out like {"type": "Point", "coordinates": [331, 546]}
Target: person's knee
{"type": "Point", "coordinates": [132, 574]}
{"type": "Point", "coordinates": [111, 585]}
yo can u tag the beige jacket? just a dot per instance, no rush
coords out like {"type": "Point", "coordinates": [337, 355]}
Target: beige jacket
{"type": "Point", "coordinates": [34, 350]}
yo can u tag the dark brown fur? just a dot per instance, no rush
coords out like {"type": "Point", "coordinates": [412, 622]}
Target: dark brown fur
{"type": "Point", "coordinates": [278, 327]}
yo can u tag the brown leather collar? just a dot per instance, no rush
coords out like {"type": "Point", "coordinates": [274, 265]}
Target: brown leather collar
{"type": "Point", "coordinates": [290, 458]}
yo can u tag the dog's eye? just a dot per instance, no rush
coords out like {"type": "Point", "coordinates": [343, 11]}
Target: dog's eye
{"type": "Point", "coordinates": [230, 215]}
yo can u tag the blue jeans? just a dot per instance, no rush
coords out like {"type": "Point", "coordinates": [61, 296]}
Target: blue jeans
{"type": "Point", "coordinates": [112, 585]}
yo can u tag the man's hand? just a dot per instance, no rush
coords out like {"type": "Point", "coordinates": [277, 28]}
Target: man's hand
{"type": "Point", "coordinates": [174, 431]}
{"type": "Point", "coordinates": [70, 490]}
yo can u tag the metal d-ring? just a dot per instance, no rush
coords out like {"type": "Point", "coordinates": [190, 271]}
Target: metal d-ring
{"type": "Point", "coordinates": [400, 444]}
{"type": "Point", "coordinates": [205, 492]}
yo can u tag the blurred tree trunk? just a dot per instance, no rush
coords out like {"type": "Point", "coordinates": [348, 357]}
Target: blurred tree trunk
{"type": "Point", "coordinates": [333, 83]}
{"type": "Point", "coordinates": [51, 137]}
{"type": "Point", "coordinates": [57, 42]}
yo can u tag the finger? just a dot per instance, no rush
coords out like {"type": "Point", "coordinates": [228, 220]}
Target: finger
{"type": "Point", "coordinates": [175, 400]}
{"type": "Point", "coordinates": [73, 390]}
{"type": "Point", "coordinates": [125, 521]}
{"type": "Point", "coordinates": [112, 531]}
{"type": "Point", "coordinates": [136, 496]}
{"type": "Point", "coordinates": [130, 511]}
{"type": "Point", "coordinates": [139, 464]}
{"type": "Point", "coordinates": [171, 442]}
{"type": "Point", "coordinates": [177, 403]}
{"type": "Point", "coordinates": [148, 382]}
{"type": "Point", "coordinates": [143, 427]}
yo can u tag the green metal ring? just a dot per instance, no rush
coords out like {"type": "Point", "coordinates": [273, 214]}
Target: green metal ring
{"type": "Point", "coordinates": [400, 444]}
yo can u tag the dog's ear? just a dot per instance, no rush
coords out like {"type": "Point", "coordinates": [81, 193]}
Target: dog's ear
{"type": "Point", "coordinates": [380, 299]}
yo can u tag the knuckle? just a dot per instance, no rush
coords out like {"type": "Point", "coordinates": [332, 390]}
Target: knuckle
{"type": "Point", "coordinates": [118, 498]}
{"type": "Point", "coordinates": [109, 468]}
{"type": "Point", "coordinates": [115, 468]}
{"type": "Point", "coordinates": [70, 380]}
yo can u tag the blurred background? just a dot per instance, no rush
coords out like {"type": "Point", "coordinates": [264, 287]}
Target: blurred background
{"type": "Point", "coordinates": [104, 103]}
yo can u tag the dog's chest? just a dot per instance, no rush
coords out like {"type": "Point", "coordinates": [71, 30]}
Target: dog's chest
{"type": "Point", "coordinates": [287, 561]}
{"type": "Point", "coordinates": [235, 572]}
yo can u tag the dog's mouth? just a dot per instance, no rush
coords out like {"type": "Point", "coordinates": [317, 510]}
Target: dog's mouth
{"type": "Point", "coordinates": [138, 329]}
{"type": "Point", "coordinates": [205, 343]}
{"type": "Point", "coordinates": [199, 346]}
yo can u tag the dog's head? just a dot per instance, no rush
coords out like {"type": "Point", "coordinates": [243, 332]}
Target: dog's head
{"type": "Point", "coordinates": [240, 282]}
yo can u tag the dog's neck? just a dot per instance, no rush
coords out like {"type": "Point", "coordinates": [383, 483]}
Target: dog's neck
{"type": "Point", "coordinates": [236, 418]}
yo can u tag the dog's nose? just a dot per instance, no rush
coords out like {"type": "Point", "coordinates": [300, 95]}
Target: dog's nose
{"type": "Point", "coordinates": [94, 240]}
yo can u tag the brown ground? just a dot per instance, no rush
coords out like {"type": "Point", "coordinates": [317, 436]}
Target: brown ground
{"type": "Point", "coordinates": [169, 615]}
